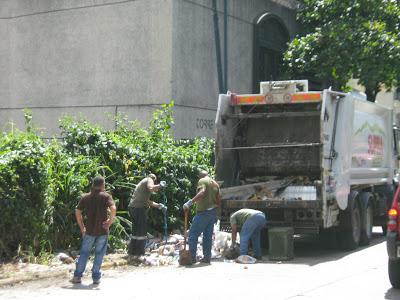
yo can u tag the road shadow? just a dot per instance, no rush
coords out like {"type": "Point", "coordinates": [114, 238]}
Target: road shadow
{"type": "Point", "coordinates": [312, 251]}
{"type": "Point", "coordinates": [81, 286]}
{"type": "Point", "coordinates": [196, 265]}
{"type": "Point", "coordinates": [392, 294]}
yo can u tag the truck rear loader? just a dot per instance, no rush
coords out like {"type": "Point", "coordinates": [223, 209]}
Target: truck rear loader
{"type": "Point", "coordinates": [321, 162]}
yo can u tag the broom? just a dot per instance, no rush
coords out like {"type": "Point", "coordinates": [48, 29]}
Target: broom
{"type": "Point", "coordinates": [184, 255]}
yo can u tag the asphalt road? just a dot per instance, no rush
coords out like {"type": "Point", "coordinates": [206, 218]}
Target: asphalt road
{"type": "Point", "coordinates": [315, 273]}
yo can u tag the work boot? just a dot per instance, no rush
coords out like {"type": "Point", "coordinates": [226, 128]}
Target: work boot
{"type": "Point", "coordinates": [96, 281]}
{"type": "Point", "coordinates": [76, 280]}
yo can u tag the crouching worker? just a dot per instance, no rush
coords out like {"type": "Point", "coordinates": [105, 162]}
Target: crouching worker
{"type": "Point", "coordinates": [207, 200]}
{"type": "Point", "coordinates": [250, 222]}
{"type": "Point", "coordinates": [96, 206]}
{"type": "Point", "coordinates": [138, 205]}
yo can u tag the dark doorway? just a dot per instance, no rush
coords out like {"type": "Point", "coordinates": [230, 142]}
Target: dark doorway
{"type": "Point", "coordinates": [270, 41]}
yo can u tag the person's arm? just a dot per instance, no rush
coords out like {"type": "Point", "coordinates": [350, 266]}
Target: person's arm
{"type": "Point", "coordinates": [154, 204]}
{"type": "Point", "coordinates": [79, 219]}
{"type": "Point", "coordinates": [234, 233]}
{"type": "Point", "coordinates": [110, 220]}
{"type": "Point", "coordinates": [151, 186]}
{"type": "Point", "coordinates": [199, 196]}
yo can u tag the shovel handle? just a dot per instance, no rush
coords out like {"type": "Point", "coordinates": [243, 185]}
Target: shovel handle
{"type": "Point", "coordinates": [186, 212]}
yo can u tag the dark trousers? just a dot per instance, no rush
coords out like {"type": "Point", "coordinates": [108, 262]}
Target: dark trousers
{"type": "Point", "coordinates": [139, 231]}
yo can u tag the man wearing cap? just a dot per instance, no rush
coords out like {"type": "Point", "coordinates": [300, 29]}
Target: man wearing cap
{"type": "Point", "coordinates": [138, 205]}
{"type": "Point", "coordinates": [250, 222]}
{"type": "Point", "coordinates": [96, 205]}
{"type": "Point", "coordinates": [207, 200]}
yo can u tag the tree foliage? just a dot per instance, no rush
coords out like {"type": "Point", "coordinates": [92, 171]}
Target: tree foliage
{"type": "Point", "coordinates": [41, 183]}
{"type": "Point", "coordinates": [347, 39]}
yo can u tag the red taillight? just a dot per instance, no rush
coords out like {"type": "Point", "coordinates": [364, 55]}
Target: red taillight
{"type": "Point", "coordinates": [392, 213]}
{"type": "Point", "coordinates": [392, 222]}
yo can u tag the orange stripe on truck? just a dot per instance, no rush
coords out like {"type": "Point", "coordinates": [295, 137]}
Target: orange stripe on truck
{"type": "Point", "coordinates": [306, 97]}
{"type": "Point", "coordinates": [248, 99]}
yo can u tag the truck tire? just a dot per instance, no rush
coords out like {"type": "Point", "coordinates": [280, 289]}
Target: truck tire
{"type": "Point", "coordinates": [394, 273]}
{"type": "Point", "coordinates": [367, 218]}
{"type": "Point", "coordinates": [350, 226]}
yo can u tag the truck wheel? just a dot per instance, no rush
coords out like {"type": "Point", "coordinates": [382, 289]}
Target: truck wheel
{"type": "Point", "coordinates": [394, 272]}
{"type": "Point", "coordinates": [367, 218]}
{"type": "Point", "coordinates": [350, 223]}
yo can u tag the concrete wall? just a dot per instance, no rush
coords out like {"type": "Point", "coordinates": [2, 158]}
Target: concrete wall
{"type": "Point", "coordinates": [77, 56]}
{"type": "Point", "coordinates": [194, 76]}
{"type": "Point", "coordinates": [92, 57]}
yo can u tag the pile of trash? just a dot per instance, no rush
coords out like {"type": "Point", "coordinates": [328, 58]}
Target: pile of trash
{"type": "Point", "coordinates": [161, 251]}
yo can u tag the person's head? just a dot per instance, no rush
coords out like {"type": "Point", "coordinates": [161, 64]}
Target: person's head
{"type": "Point", "coordinates": [203, 174]}
{"type": "Point", "coordinates": [98, 184]}
{"type": "Point", "coordinates": [152, 176]}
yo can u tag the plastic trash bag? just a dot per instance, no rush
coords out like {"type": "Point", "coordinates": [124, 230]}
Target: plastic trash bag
{"type": "Point", "coordinates": [246, 259]}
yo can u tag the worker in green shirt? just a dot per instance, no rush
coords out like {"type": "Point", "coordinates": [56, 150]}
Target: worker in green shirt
{"type": "Point", "coordinates": [207, 199]}
{"type": "Point", "coordinates": [138, 206]}
{"type": "Point", "coordinates": [249, 222]}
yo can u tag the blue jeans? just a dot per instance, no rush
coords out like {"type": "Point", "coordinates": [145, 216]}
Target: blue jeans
{"type": "Point", "coordinates": [100, 244]}
{"type": "Point", "coordinates": [203, 222]}
{"type": "Point", "coordinates": [251, 229]}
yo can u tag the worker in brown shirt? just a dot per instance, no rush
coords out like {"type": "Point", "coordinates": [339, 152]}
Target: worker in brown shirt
{"type": "Point", "coordinates": [96, 205]}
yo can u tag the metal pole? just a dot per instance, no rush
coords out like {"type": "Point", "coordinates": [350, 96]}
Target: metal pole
{"type": "Point", "coordinates": [225, 46]}
{"type": "Point", "coordinates": [218, 48]}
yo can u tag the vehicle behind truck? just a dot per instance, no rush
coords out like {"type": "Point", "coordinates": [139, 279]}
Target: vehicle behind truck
{"type": "Point", "coordinates": [321, 162]}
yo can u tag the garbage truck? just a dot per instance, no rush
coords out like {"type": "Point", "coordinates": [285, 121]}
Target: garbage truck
{"type": "Point", "coordinates": [320, 162]}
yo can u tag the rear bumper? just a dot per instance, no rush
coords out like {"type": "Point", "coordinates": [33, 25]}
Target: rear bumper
{"type": "Point", "coordinates": [270, 204]}
{"type": "Point", "coordinates": [304, 216]}
{"type": "Point", "coordinates": [392, 243]}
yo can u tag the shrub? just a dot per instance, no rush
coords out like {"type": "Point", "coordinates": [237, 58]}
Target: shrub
{"type": "Point", "coordinates": [41, 183]}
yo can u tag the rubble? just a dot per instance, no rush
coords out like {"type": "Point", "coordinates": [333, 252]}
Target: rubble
{"type": "Point", "coordinates": [159, 253]}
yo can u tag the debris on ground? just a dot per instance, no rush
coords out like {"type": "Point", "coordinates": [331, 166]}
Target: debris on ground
{"type": "Point", "coordinates": [246, 259]}
{"type": "Point", "coordinates": [160, 251]}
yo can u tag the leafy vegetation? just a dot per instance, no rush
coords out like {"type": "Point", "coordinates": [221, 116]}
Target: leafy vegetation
{"type": "Point", "coordinates": [347, 39]}
{"type": "Point", "coordinates": [41, 183]}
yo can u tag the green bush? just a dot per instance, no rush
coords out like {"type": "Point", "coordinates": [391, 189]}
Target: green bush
{"type": "Point", "coordinates": [25, 194]}
{"type": "Point", "coordinates": [130, 153]}
{"type": "Point", "coordinates": [41, 183]}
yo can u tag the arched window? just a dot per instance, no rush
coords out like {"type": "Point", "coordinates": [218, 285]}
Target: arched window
{"type": "Point", "coordinates": [270, 41]}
